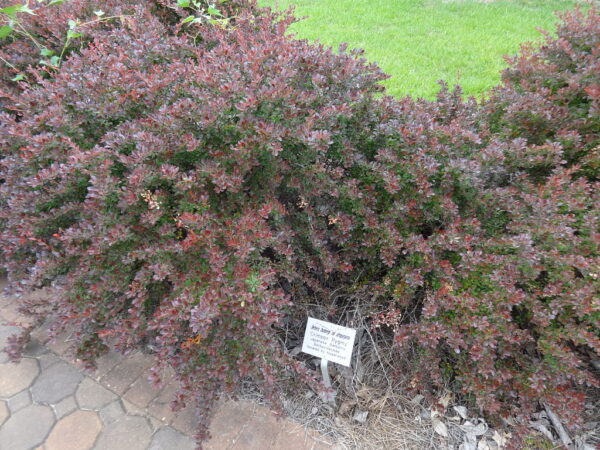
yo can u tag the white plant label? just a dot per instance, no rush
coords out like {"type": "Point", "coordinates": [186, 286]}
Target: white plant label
{"type": "Point", "coordinates": [329, 341]}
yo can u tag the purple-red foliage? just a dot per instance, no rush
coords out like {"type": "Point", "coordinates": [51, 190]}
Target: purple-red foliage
{"type": "Point", "coordinates": [191, 186]}
{"type": "Point", "coordinates": [46, 28]}
{"type": "Point", "coordinates": [548, 105]}
{"type": "Point", "coordinates": [170, 189]}
{"type": "Point", "coordinates": [509, 296]}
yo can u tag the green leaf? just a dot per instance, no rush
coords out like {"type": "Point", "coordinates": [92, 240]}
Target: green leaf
{"type": "Point", "coordinates": [26, 9]}
{"type": "Point", "coordinates": [5, 31]}
{"type": "Point", "coordinates": [54, 61]}
{"type": "Point", "coordinates": [47, 52]}
{"type": "Point", "coordinates": [72, 24]}
{"type": "Point", "coordinates": [188, 19]}
{"type": "Point", "coordinates": [11, 11]}
{"type": "Point", "coordinates": [18, 77]}
{"type": "Point", "coordinates": [213, 11]}
{"type": "Point", "coordinates": [56, 2]}
{"type": "Point", "coordinates": [73, 34]}
{"type": "Point", "coordinates": [183, 3]}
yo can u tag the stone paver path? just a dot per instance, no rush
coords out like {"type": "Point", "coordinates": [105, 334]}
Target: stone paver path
{"type": "Point", "coordinates": [48, 403]}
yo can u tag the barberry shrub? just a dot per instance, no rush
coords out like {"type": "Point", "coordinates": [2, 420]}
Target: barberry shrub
{"type": "Point", "coordinates": [193, 186]}
{"type": "Point", "coordinates": [176, 187]}
{"type": "Point", "coordinates": [548, 104]}
{"type": "Point", "coordinates": [508, 302]}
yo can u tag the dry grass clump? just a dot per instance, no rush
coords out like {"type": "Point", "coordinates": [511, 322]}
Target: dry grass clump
{"type": "Point", "coordinates": [370, 410]}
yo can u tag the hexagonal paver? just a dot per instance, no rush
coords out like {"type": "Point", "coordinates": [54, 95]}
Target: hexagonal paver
{"type": "Point", "coordinates": [185, 420]}
{"type": "Point", "coordinates": [65, 407]}
{"type": "Point", "coordinates": [120, 377]}
{"type": "Point", "coordinates": [105, 364]}
{"type": "Point", "coordinates": [27, 428]}
{"type": "Point", "coordinates": [56, 383]}
{"type": "Point", "coordinates": [127, 433]}
{"type": "Point", "coordinates": [229, 420]}
{"type": "Point", "coordinates": [169, 439]}
{"type": "Point", "coordinates": [19, 401]}
{"type": "Point", "coordinates": [48, 359]}
{"type": "Point", "coordinates": [132, 409]}
{"type": "Point", "coordinates": [112, 412]}
{"type": "Point", "coordinates": [16, 377]}
{"type": "Point", "coordinates": [161, 405]}
{"type": "Point", "coordinates": [90, 395]}
{"type": "Point", "coordinates": [61, 343]}
{"type": "Point", "coordinates": [77, 431]}
{"type": "Point", "coordinates": [260, 433]}
{"type": "Point", "coordinates": [141, 392]}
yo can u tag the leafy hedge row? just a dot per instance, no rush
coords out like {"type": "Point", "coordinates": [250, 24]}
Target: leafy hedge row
{"type": "Point", "coordinates": [196, 184]}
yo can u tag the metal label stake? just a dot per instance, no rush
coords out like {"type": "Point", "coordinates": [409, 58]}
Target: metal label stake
{"type": "Point", "coordinates": [325, 372]}
{"type": "Point", "coordinates": [328, 396]}
{"type": "Point", "coordinates": [330, 342]}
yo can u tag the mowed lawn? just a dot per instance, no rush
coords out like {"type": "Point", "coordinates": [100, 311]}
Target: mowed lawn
{"type": "Point", "coordinates": [418, 42]}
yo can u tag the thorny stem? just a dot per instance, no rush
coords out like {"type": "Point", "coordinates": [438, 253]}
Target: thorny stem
{"type": "Point", "coordinates": [62, 52]}
{"type": "Point", "coordinates": [26, 33]}
{"type": "Point", "coordinates": [9, 64]}
{"type": "Point", "coordinates": [100, 19]}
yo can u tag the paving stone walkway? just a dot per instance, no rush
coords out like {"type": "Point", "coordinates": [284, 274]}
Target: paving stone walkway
{"type": "Point", "coordinates": [47, 402]}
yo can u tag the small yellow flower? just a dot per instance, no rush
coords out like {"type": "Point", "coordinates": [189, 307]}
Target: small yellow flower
{"type": "Point", "coordinates": [151, 199]}
{"type": "Point", "coordinates": [302, 203]}
{"type": "Point", "coordinates": [191, 341]}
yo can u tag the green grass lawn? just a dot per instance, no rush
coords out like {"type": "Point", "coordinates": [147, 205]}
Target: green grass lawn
{"type": "Point", "coordinates": [419, 42]}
